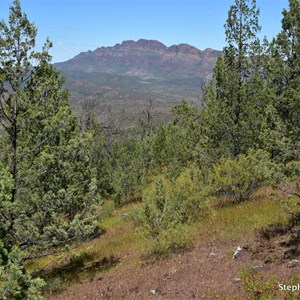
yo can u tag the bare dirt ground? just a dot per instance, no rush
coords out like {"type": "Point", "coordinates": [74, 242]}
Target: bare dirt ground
{"type": "Point", "coordinates": [208, 271]}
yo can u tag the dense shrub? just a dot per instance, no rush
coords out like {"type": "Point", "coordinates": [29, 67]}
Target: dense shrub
{"type": "Point", "coordinates": [290, 185]}
{"type": "Point", "coordinates": [168, 206]}
{"type": "Point", "coordinates": [125, 171]}
{"type": "Point", "coordinates": [238, 178]}
{"type": "Point", "coordinates": [172, 240]}
{"type": "Point", "coordinates": [15, 282]}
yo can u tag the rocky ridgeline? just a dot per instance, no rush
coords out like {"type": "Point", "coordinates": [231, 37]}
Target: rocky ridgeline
{"type": "Point", "coordinates": [146, 59]}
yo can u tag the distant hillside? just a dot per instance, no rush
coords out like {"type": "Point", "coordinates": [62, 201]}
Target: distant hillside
{"type": "Point", "coordinates": [124, 77]}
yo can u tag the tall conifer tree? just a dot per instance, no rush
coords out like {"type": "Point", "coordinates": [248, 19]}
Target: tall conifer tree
{"type": "Point", "coordinates": [42, 145]}
{"type": "Point", "coordinates": [234, 107]}
{"type": "Point", "coordinates": [285, 75]}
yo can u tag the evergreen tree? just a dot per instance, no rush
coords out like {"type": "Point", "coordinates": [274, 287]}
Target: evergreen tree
{"type": "Point", "coordinates": [15, 282]}
{"type": "Point", "coordinates": [236, 97]}
{"type": "Point", "coordinates": [125, 170]}
{"type": "Point", "coordinates": [17, 39]}
{"type": "Point", "coordinates": [47, 154]}
{"type": "Point", "coordinates": [285, 77]}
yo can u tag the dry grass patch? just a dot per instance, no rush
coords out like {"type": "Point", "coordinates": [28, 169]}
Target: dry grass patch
{"type": "Point", "coordinates": [85, 260]}
{"type": "Point", "coordinates": [121, 247]}
{"type": "Point", "coordinates": [233, 222]}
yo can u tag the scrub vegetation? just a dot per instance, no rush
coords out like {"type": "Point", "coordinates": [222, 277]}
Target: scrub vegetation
{"type": "Point", "coordinates": [78, 198]}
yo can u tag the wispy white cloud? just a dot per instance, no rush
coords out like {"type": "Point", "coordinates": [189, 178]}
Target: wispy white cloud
{"type": "Point", "coordinates": [60, 43]}
{"type": "Point", "coordinates": [64, 27]}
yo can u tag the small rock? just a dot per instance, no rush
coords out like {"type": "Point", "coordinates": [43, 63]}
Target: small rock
{"type": "Point", "coordinates": [236, 253]}
{"type": "Point", "coordinates": [293, 263]}
{"type": "Point", "coordinates": [236, 280]}
{"type": "Point", "coordinates": [125, 216]}
{"type": "Point", "coordinates": [258, 268]}
{"type": "Point", "coordinates": [152, 292]}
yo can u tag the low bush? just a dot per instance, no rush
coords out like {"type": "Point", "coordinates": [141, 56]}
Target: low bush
{"type": "Point", "coordinates": [191, 194]}
{"type": "Point", "coordinates": [238, 178]}
{"type": "Point", "coordinates": [290, 185]}
{"type": "Point", "coordinates": [15, 282]}
{"type": "Point", "coordinates": [172, 240]}
{"type": "Point", "coordinates": [168, 206]}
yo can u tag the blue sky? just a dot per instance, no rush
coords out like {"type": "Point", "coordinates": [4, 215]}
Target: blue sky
{"type": "Point", "coordinates": [80, 25]}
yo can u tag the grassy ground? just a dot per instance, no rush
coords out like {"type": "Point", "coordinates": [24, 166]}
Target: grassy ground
{"type": "Point", "coordinates": [120, 245]}
{"type": "Point", "coordinates": [236, 221]}
{"type": "Point", "coordinates": [83, 261]}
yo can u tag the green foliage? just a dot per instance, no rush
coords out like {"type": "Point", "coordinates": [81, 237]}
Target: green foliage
{"type": "Point", "coordinates": [238, 178]}
{"type": "Point", "coordinates": [52, 172]}
{"type": "Point", "coordinates": [54, 181]}
{"type": "Point", "coordinates": [6, 184]}
{"type": "Point", "coordinates": [189, 119]}
{"type": "Point", "coordinates": [172, 240]}
{"type": "Point", "coordinates": [125, 170]}
{"type": "Point", "coordinates": [158, 213]}
{"type": "Point", "coordinates": [99, 148]}
{"type": "Point", "coordinates": [191, 193]}
{"type": "Point", "coordinates": [236, 97]}
{"type": "Point", "coordinates": [155, 218]}
{"type": "Point", "coordinates": [170, 148]}
{"type": "Point", "coordinates": [15, 282]}
{"type": "Point", "coordinates": [290, 185]}
{"type": "Point", "coordinates": [292, 170]}
{"type": "Point", "coordinates": [274, 136]}
{"type": "Point", "coordinates": [285, 70]}
{"type": "Point", "coordinates": [176, 144]}
{"type": "Point", "coordinates": [257, 286]}
{"type": "Point", "coordinates": [169, 206]}
{"type": "Point", "coordinates": [105, 209]}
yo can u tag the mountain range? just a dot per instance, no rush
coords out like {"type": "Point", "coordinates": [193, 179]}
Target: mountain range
{"type": "Point", "coordinates": [125, 77]}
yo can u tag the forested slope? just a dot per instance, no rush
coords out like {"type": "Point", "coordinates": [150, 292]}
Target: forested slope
{"type": "Point", "coordinates": [66, 182]}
